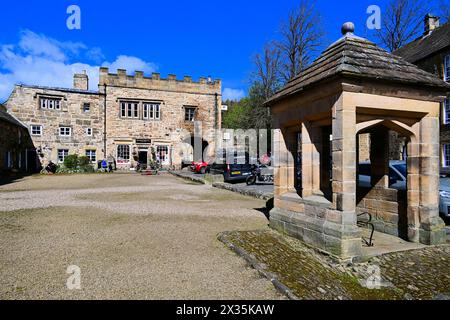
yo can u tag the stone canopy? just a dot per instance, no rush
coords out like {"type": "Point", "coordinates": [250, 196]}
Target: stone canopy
{"type": "Point", "coordinates": [356, 87]}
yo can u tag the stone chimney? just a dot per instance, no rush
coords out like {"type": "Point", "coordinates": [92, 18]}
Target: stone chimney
{"type": "Point", "coordinates": [81, 81]}
{"type": "Point", "coordinates": [431, 23]}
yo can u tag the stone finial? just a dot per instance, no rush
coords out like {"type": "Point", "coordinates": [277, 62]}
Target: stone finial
{"type": "Point", "coordinates": [187, 79]}
{"type": "Point", "coordinates": [172, 77]}
{"type": "Point", "coordinates": [348, 28]}
{"type": "Point", "coordinates": [139, 74]}
{"type": "Point", "coordinates": [156, 76]}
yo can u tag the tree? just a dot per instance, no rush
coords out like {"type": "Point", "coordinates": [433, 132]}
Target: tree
{"type": "Point", "coordinates": [444, 9]}
{"type": "Point", "coordinates": [401, 23]}
{"type": "Point", "coordinates": [267, 70]}
{"type": "Point", "coordinates": [301, 37]}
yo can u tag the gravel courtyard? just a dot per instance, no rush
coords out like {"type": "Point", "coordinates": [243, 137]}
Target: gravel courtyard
{"type": "Point", "coordinates": [133, 237]}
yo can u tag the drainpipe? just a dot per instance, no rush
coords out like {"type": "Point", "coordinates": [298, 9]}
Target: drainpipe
{"type": "Point", "coordinates": [104, 124]}
{"type": "Point", "coordinates": [216, 112]}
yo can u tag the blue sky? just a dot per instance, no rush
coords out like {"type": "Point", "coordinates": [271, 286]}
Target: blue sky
{"type": "Point", "coordinates": [197, 38]}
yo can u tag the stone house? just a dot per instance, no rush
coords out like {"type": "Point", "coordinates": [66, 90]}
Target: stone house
{"type": "Point", "coordinates": [149, 118]}
{"type": "Point", "coordinates": [129, 119]}
{"type": "Point", "coordinates": [60, 121]}
{"type": "Point", "coordinates": [16, 147]}
{"type": "Point", "coordinates": [431, 52]}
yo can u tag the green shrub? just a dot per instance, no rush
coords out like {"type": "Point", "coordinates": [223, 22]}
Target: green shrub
{"type": "Point", "coordinates": [71, 162]}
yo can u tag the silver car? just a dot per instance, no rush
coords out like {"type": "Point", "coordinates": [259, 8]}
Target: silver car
{"type": "Point", "coordinates": [397, 180]}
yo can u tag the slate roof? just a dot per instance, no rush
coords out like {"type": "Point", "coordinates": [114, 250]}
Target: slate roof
{"type": "Point", "coordinates": [71, 90]}
{"type": "Point", "coordinates": [425, 46]}
{"type": "Point", "coordinates": [356, 57]}
{"type": "Point", "coordinates": [5, 116]}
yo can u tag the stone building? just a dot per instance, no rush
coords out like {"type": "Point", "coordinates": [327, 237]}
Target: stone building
{"type": "Point", "coordinates": [129, 119]}
{"type": "Point", "coordinates": [356, 88]}
{"type": "Point", "coordinates": [16, 148]}
{"type": "Point", "coordinates": [431, 52]}
{"type": "Point", "coordinates": [149, 118]}
{"type": "Point", "coordinates": [60, 121]}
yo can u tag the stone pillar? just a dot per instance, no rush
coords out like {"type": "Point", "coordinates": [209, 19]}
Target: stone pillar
{"type": "Point", "coordinates": [344, 159]}
{"type": "Point", "coordinates": [431, 225]}
{"type": "Point", "coordinates": [279, 163]}
{"type": "Point", "coordinates": [379, 157]}
{"type": "Point", "coordinates": [311, 139]}
{"type": "Point", "coordinates": [413, 187]}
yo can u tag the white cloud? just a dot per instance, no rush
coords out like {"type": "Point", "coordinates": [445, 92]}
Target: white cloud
{"type": "Point", "coordinates": [232, 94]}
{"type": "Point", "coordinates": [130, 64]}
{"type": "Point", "coordinates": [40, 60]}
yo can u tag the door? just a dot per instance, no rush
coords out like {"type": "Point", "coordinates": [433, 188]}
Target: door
{"type": "Point", "coordinates": [143, 157]}
{"type": "Point", "coordinates": [162, 155]}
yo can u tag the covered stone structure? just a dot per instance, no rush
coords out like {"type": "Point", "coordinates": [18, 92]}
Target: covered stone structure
{"type": "Point", "coordinates": [355, 87]}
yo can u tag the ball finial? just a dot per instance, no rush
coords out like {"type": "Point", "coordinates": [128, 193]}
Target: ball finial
{"type": "Point", "coordinates": [348, 27]}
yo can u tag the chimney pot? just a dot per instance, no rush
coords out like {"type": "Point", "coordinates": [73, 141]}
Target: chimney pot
{"type": "Point", "coordinates": [431, 23]}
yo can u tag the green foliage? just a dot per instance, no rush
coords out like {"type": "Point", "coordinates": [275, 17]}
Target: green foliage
{"type": "Point", "coordinates": [71, 162]}
{"type": "Point", "coordinates": [249, 112]}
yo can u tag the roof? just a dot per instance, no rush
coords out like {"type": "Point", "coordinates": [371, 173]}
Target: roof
{"type": "Point", "coordinates": [427, 45]}
{"type": "Point", "coordinates": [5, 116]}
{"type": "Point", "coordinates": [71, 90]}
{"type": "Point", "coordinates": [356, 57]}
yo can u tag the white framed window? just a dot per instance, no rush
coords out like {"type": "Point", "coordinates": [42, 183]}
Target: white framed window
{"type": "Point", "coordinates": [446, 111]}
{"type": "Point", "coordinates": [89, 132]}
{"type": "Point", "coordinates": [123, 153]}
{"type": "Point", "coordinates": [92, 155]}
{"type": "Point", "coordinates": [446, 155]}
{"type": "Point", "coordinates": [447, 68]}
{"type": "Point", "coordinates": [151, 111]}
{"type": "Point", "coordinates": [62, 154]}
{"type": "Point", "coordinates": [189, 113]}
{"type": "Point", "coordinates": [129, 110]}
{"type": "Point", "coordinates": [36, 130]}
{"type": "Point", "coordinates": [65, 131]}
{"type": "Point", "coordinates": [50, 103]}
{"type": "Point", "coordinates": [86, 107]}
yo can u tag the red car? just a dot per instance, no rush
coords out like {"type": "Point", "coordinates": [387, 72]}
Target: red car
{"type": "Point", "coordinates": [199, 167]}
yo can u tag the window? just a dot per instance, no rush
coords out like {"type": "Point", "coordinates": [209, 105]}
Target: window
{"type": "Point", "coordinates": [129, 110]}
{"type": "Point", "coordinates": [189, 113]}
{"type": "Point", "coordinates": [447, 68]}
{"type": "Point", "coordinates": [65, 131]}
{"type": "Point", "coordinates": [36, 130]}
{"type": "Point", "coordinates": [123, 153]}
{"type": "Point", "coordinates": [62, 154]}
{"type": "Point", "coordinates": [151, 111]}
{"type": "Point", "coordinates": [50, 103]}
{"type": "Point", "coordinates": [92, 155]}
{"type": "Point", "coordinates": [89, 131]}
{"type": "Point", "coordinates": [446, 155]}
{"type": "Point", "coordinates": [446, 111]}
{"type": "Point", "coordinates": [86, 107]}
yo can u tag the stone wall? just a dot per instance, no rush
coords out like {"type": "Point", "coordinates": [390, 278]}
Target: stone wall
{"type": "Point", "coordinates": [171, 129]}
{"type": "Point", "coordinates": [24, 103]}
{"type": "Point", "coordinates": [435, 64]}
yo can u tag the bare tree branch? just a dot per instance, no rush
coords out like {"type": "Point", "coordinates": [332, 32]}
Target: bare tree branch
{"type": "Point", "coordinates": [301, 37]}
{"type": "Point", "coordinates": [401, 23]}
{"type": "Point", "coordinates": [267, 67]}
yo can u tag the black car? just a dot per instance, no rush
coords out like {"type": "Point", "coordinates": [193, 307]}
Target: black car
{"type": "Point", "coordinates": [234, 169]}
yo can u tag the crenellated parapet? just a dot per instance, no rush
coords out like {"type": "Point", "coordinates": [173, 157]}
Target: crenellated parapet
{"type": "Point", "coordinates": [155, 82]}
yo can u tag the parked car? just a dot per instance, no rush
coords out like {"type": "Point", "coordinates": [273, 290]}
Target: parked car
{"type": "Point", "coordinates": [199, 167]}
{"type": "Point", "coordinates": [235, 168]}
{"type": "Point", "coordinates": [397, 174]}
{"type": "Point", "coordinates": [397, 180]}
{"type": "Point", "coordinates": [444, 199]}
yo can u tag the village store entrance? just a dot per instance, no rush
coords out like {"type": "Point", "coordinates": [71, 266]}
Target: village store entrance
{"type": "Point", "coordinates": [355, 87]}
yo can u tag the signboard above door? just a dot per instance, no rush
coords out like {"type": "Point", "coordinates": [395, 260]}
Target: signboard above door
{"type": "Point", "coordinates": [143, 140]}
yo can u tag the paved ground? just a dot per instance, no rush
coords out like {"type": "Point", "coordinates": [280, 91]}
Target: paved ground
{"type": "Point", "coordinates": [133, 236]}
{"type": "Point", "coordinates": [412, 274]}
{"type": "Point", "coordinates": [260, 190]}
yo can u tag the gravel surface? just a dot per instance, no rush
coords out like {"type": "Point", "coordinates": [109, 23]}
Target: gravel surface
{"type": "Point", "coordinates": [133, 237]}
